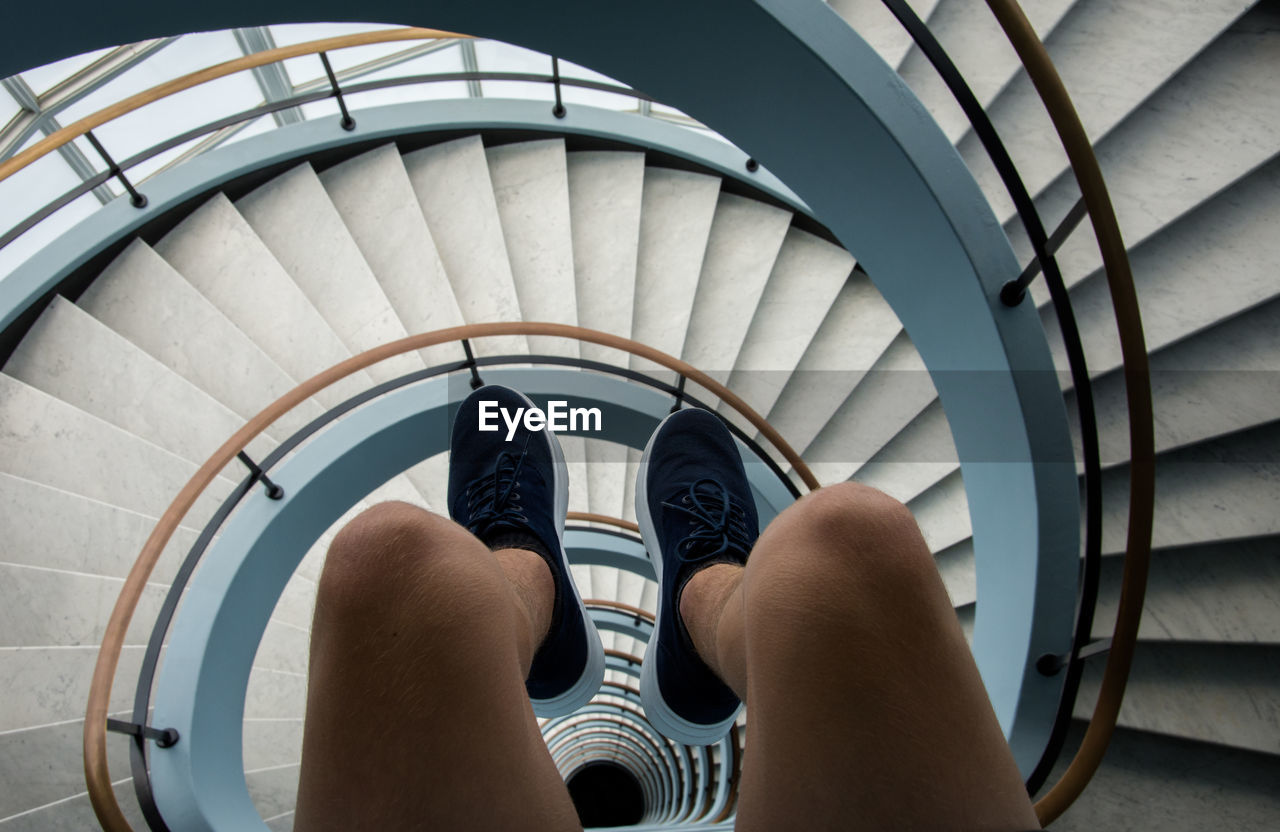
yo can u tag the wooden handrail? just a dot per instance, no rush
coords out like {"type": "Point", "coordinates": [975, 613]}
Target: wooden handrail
{"type": "Point", "coordinates": [97, 774]}
{"type": "Point", "coordinates": [77, 129]}
{"type": "Point", "coordinates": [1124, 299]}
{"type": "Point", "coordinates": [604, 519]}
{"type": "Point", "coordinates": [605, 603]}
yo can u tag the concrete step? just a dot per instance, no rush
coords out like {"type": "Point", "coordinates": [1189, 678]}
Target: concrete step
{"type": "Point", "coordinates": [1222, 592]}
{"type": "Point", "coordinates": [942, 512]}
{"type": "Point", "coordinates": [219, 253]}
{"type": "Point", "coordinates": [1213, 120]}
{"type": "Point", "coordinates": [43, 772]}
{"type": "Point", "coordinates": [742, 248]}
{"type": "Point", "coordinates": [293, 215]}
{"type": "Point", "coordinates": [1224, 694]}
{"type": "Point", "coordinates": [50, 528]}
{"type": "Point", "coordinates": [376, 201]}
{"type": "Point", "coordinates": [879, 28]}
{"type": "Point", "coordinates": [806, 280]}
{"type": "Point", "coordinates": [531, 189]}
{"type": "Point", "coordinates": [73, 357]}
{"type": "Point", "coordinates": [885, 400]}
{"type": "Point", "coordinates": [1180, 784]}
{"type": "Point", "coordinates": [144, 299]}
{"type": "Point", "coordinates": [919, 455]}
{"type": "Point", "coordinates": [605, 193]}
{"type": "Point", "coordinates": [454, 190]}
{"type": "Point", "coordinates": [1230, 231]}
{"type": "Point", "coordinates": [53, 443]}
{"type": "Point", "coordinates": [677, 210]}
{"type": "Point", "coordinates": [1115, 61]}
{"type": "Point", "coordinates": [857, 328]}
{"type": "Point", "coordinates": [977, 45]}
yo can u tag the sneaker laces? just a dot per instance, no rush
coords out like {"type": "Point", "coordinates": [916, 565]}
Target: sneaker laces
{"type": "Point", "coordinates": [495, 497]}
{"type": "Point", "coordinates": [719, 522]}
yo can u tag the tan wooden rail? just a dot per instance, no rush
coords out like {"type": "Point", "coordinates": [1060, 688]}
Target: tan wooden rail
{"type": "Point", "coordinates": [97, 775]}
{"type": "Point", "coordinates": [604, 519]}
{"type": "Point", "coordinates": [1124, 299]}
{"type": "Point", "coordinates": [605, 603]}
{"type": "Point", "coordinates": [77, 129]}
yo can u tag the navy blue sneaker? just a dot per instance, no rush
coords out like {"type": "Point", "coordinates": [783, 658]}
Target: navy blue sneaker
{"type": "Point", "coordinates": [516, 494]}
{"type": "Point", "coordinates": [695, 508]}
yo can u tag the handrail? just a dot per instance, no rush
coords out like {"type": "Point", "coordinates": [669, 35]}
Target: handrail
{"type": "Point", "coordinates": [604, 519]}
{"type": "Point", "coordinates": [74, 131]}
{"type": "Point", "coordinates": [1124, 299]}
{"type": "Point", "coordinates": [97, 776]}
{"type": "Point", "coordinates": [605, 603]}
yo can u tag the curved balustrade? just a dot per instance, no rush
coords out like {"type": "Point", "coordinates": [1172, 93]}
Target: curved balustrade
{"type": "Point", "coordinates": [1097, 206]}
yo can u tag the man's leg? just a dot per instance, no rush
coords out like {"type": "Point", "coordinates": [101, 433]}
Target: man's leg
{"type": "Point", "coordinates": [417, 714]}
{"type": "Point", "coordinates": [865, 706]}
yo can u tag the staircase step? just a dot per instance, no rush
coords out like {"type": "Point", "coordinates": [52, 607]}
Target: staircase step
{"type": "Point", "coordinates": [531, 189]}
{"type": "Point", "coordinates": [293, 215]}
{"type": "Point", "coordinates": [605, 192]}
{"type": "Point", "coordinates": [1231, 231]}
{"type": "Point", "coordinates": [1225, 694]}
{"type": "Point", "coordinates": [857, 328]}
{"type": "Point", "coordinates": [144, 299]}
{"type": "Point", "coordinates": [916, 457]}
{"type": "Point", "coordinates": [47, 527]}
{"type": "Point", "coordinates": [274, 792]}
{"type": "Point", "coordinates": [742, 248]}
{"type": "Point", "coordinates": [49, 441]}
{"type": "Point", "coordinates": [978, 47]}
{"type": "Point", "coordinates": [884, 401]}
{"type": "Point", "coordinates": [75, 812]}
{"type": "Point", "coordinates": [806, 278]}
{"type": "Point", "coordinates": [1214, 121]}
{"type": "Point", "coordinates": [1225, 592]}
{"type": "Point", "coordinates": [879, 28]}
{"type": "Point", "coordinates": [675, 222]}
{"type": "Point", "coordinates": [454, 190]}
{"type": "Point", "coordinates": [62, 675]}
{"type": "Point", "coordinates": [1179, 784]}
{"type": "Point", "coordinates": [375, 199]}
{"type": "Point", "coordinates": [1115, 60]}
{"type": "Point", "coordinates": [222, 257]}
{"type": "Point", "coordinates": [1223, 489]}
{"type": "Point", "coordinates": [73, 357]}
{"type": "Point", "coordinates": [41, 607]}
{"type": "Point", "coordinates": [942, 513]}
{"type": "Point", "coordinates": [43, 766]}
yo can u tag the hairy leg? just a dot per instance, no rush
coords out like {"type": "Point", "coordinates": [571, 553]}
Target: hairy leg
{"type": "Point", "coordinates": [865, 705]}
{"type": "Point", "coordinates": [417, 715]}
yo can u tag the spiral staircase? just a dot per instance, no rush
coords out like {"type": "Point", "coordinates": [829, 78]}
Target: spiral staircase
{"type": "Point", "coordinates": [121, 389]}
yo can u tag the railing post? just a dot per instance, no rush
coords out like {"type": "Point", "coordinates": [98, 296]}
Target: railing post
{"type": "Point", "coordinates": [679, 402]}
{"type": "Point", "coordinates": [558, 110]}
{"type": "Point", "coordinates": [138, 200]}
{"type": "Point", "coordinates": [476, 382]}
{"type": "Point", "coordinates": [348, 123]}
{"type": "Point", "coordinates": [274, 491]}
{"type": "Point", "coordinates": [163, 737]}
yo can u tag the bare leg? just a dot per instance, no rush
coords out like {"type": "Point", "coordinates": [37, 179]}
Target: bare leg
{"type": "Point", "coordinates": [864, 704]}
{"type": "Point", "coordinates": [417, 715]}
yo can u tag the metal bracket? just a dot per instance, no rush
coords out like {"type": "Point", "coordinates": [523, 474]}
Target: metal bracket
{"type": "Point", "coordinates": [558, 111]}
{"type": "Point", "coordinates": [476, 382]}
{"type": "Point", "coordinates": [348, 123]}
{"type": "Point", "coordinates": [274, 491]}
{"type": "Point", "coordinates": [137, 199]}
{"type": "Point", "coordinates": [679, 395]}
{"type": "Point", "coordinates": [163, 737]}
{"type": "Point", "coordinates": [1051, 664]}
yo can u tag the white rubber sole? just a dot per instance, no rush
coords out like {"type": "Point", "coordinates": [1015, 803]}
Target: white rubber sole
{"type": "Point", "coordinates": [593, 675]}
{"type": "Point", "coordinates": [668, 722]}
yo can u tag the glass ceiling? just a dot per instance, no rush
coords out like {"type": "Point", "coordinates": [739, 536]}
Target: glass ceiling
{"type": "Point", "coordinates": [40, 101]}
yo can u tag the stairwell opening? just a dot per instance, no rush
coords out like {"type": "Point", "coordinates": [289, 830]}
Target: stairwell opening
{"type": "Point", "coordinates": [606, 794]}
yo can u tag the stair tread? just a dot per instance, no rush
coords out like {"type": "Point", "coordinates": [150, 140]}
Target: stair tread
{"type": "Point", "coordinates": [857, 328]}
{"type": "Point", "coordinates": [879, 28]}
{"type": "Point", "coordinates": [144, 299]}
{"type": "Point", "coordinates": [73, 357]}
{"type": "Point", "coordinates": [675, 221]}
{"type": "Point", "coordinates": [222, 257]}
{"type": "Point", "coordinates": [531, 190]}
{"type": "Point", "coordinates": [742, 247]}
{"type": "Point", "coordinates": [376, 201]}
{"type": "Point", "coordinates": [454, 190]}
{"type": "Point", "coordinates": [294, 217]}
{"type": "Point", "coordinates": [52, 442]}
